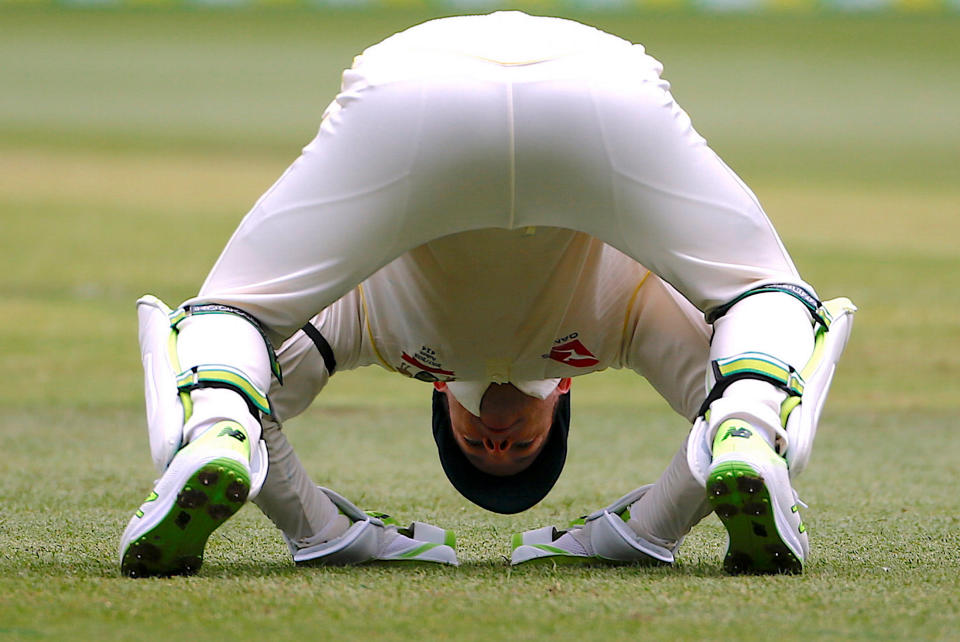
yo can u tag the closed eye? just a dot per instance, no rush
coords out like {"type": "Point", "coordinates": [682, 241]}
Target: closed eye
{"type": "Point", "coordinates": [473, 443]}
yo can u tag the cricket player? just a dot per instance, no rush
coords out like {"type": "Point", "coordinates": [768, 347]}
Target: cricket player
{"type": "Point", "coordinates": [494, 205]}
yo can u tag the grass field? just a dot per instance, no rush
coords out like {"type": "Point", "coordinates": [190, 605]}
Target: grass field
{"type": "Point", "coordinates": [131, 142]}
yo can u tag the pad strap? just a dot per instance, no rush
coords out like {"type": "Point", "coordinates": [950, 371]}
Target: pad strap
{"type": "Point", "coordinates": [812, 303]}
{"type": "Point", "coordinates": [223, 376]}
{"type": "Point", "coordinates": [178, 315]}
{"type": "Point", "coordinates": [752, 365]}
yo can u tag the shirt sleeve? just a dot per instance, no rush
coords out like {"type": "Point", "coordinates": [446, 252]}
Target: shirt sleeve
{"type": "Point", "coordinates": [304, 375]}
{"type": "Point", "coordinates": [308, 359]}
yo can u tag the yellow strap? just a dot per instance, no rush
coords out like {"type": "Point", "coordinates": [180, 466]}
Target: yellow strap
{"type": "Point", "coordinates": [762, 364]}
{"type": "Point", "coordinates": [197, 376]}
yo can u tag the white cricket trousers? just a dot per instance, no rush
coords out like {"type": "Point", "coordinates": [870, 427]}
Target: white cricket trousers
{"type": "Point", "coordinates": [428, 138]}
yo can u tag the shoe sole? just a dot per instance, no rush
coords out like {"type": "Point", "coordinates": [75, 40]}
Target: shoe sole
{"type": "Point", "coordinates": [742, 501]}
{"type": "Point", "coordinates": [175, 545]}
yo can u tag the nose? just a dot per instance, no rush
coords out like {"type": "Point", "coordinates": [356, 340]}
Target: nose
{"type": "Point", "coordinates": [495, 446]}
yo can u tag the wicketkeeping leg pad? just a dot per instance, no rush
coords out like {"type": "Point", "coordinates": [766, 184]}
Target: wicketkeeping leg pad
{"type": "Point", "coordinates": [807, 391]}
{"type": "Point", "coordinates": [168, 384]}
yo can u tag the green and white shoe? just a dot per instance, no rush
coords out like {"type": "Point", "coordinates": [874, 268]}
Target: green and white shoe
{"type": "Point", "coordinates": [374, 536]}
{"type": "Point", "coordinates": [206, 483]}
{"type": "Point", "coordinates": [603, 536]}
{"type": "Point", "coordinates": [748, 486]}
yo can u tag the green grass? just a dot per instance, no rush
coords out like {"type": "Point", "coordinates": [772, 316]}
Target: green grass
{"type": "Point", "coordinates": [132, 141]}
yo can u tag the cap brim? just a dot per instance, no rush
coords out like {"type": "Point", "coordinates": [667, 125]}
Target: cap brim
{"type": "Point", "coordinates": [502, 494]}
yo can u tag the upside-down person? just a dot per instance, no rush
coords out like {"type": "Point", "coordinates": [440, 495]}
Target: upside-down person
{"type": "Point", "coordinates": [495, 205]}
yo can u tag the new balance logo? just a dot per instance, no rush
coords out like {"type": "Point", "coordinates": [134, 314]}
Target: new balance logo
{"type": "Point", "coordinates": [737, 432]}
{"type": "Point", "coordinates": [233, 432]}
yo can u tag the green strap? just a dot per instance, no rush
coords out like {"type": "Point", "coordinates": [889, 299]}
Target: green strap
{"type": "Point", "coordinates": [212, 376]}
{"type": "Point", "coordinates": [752, 365]}
{"type": "Point", "coordinates": [764, 366]}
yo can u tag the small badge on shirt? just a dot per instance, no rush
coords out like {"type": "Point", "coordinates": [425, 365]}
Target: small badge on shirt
{"type": "Point", "coordinates": [423, 365]}
{"type": "Point", "coordinates": [570, 351]}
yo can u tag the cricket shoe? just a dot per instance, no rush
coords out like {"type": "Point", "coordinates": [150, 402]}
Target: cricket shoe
{"type": "Point", "coordinates": [602, 536]}
{"type": "Point", "coordinates": [374, 536]}
{"type": "Point", "coordinates": [748, 486]}
{"type": "Point", "coordinates": [206, 483]}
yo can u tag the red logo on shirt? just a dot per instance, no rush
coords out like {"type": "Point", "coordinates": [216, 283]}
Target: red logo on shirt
{"type": "Point", "coordinates": [573, 353]}
{"type": "Point", "coordinates": [414, 362]}
{"type": "Point", "coordinates": [427, 366]}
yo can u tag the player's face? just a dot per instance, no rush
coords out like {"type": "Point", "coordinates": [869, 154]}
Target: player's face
{"type": "Point", "coordinates": [511, 430]}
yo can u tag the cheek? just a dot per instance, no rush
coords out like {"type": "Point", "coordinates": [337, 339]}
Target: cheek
{"type": "Point", "coordinates": [460, 421]}
{"type": "Point", "coordinates": [544, 417]}
{"type": "Point", "coordinates": [541, 441]}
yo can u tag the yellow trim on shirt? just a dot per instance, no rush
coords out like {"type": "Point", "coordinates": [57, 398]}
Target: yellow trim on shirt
{"type": "Point", "coordinates": [626, 315]}
{"type": "Point", "coordinates": [366, 322]}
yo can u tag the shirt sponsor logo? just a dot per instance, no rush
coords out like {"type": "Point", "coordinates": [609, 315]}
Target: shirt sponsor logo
{"type": "Point", "coordinates": [570, 351]}
{"type": "Point", "coordinates": [426, 365]}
